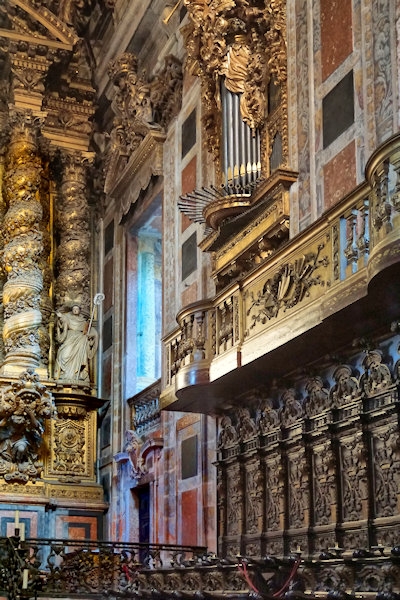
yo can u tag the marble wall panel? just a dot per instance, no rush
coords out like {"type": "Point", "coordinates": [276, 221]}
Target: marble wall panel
{"type": "Point", "coordinates": [339, 175]}
{"type": "Point", "coordinates": [336, 34]}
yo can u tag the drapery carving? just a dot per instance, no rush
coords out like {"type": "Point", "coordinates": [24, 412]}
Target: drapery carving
{"type": "Point", "coordinates": [78, 346]}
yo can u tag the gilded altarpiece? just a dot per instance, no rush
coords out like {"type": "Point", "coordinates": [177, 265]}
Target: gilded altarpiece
{"type": "Point", "coordinates": [48, 415]}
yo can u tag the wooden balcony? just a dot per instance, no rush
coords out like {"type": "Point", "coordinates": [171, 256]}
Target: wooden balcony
{"type": "Point", "coordinates": [336, 280]}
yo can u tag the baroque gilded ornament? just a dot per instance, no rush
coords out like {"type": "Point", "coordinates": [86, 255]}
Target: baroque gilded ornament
{"type": "Point", "coordinates": [24, 405]}
{"type": "Point", "coordinates": [242, 44]}
{"type": "Point", "coordinates": [140, 105]}
{"type": "Point", "coordinates": [23, 246]}
{"type": "Point", "coordinates": [289, 286]}
{"type": "Point", "coordinates": [72, 286]}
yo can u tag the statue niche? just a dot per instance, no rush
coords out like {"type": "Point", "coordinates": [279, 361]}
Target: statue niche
{"type": "Point", "coordinates": [78, 345]}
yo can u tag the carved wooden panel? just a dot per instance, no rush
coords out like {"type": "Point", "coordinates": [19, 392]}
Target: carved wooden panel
{"type": "Point", "coordinates": [315, 465]}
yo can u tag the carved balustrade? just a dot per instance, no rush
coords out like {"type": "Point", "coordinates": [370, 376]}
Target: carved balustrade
{"type": "Point", "coordinates": [191, 348]}
{"type": "Point", "coordinates": [69, 568]}
{"type": "Point", "coordinates": [291, 289]}
{"type": "Point", "coordinates": [145, 407]}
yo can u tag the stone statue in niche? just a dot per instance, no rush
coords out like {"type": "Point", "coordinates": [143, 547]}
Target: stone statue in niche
{"type": "Point", "coordinates": [78, 344]}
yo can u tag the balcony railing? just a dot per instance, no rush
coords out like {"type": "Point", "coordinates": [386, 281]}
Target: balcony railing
{"type": "Point", "coordinates": [145, 409]}
{"type": "Point", "coordinates": [287, 292]}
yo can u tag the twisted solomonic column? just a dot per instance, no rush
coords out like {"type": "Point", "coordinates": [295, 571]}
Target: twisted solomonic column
{"type": "Point", "coordinates": [22, 246]}
{"type": "Point", "coordinates": [73, 280]}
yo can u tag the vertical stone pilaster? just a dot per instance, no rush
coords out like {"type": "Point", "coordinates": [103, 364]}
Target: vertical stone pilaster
{"type": "Point", "coordinates": [23, 246]}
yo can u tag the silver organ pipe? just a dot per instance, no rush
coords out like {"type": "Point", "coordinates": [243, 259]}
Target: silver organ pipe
{"type": "Point", "coordinates": [236, 149]}
{"type": "Point", "coordinates": [241, 160]}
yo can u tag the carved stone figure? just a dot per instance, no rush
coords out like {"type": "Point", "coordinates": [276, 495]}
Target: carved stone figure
{"type": "Point", "coordinates": [291, 408]}
{"type": "Point", "coordinates": [268, 419]}
{"type": "Point", "coordinates": [78, 346]}
{"type": "Point", "coordinates": [247, 426]}
{"type": "Point", "coordinates": [132, 447]}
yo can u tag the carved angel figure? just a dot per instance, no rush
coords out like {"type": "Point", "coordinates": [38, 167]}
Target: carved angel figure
{"type": "Point", "coordinates": [78, 346]}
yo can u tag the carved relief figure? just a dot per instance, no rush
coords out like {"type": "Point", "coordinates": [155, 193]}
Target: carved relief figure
{"type": "Point", "coordinates": [377, 376]}
{"type": "Point", "coordinates": [268, 419]}
{"type": "Point", "coordinates": [273, 490]}
{"type": "Point", "coordinates": [324, 485]}
{"type": "Point", "coordinates": [291, 408]}
{"type": "Point", "coordinates": [353, 479]}
{"type": "Point", "coordinates": [228, 436]}
{"type": "Point", "coordinates": [78, 346]}
{"type": "Point", "coordinates": [247, 426]}
{"type": "Point", "coordinates": [234, 496]}
{"type": "Point", "coordinates": [133, 447]}
{"type": "Point", "coordinates": [346, 387]}
{"type": "Point", "coordinates": [297, 491]}
{"type": "Point", "coordinates": [254, 493]}
{"type": "Point", "coordinates": [386, 467]}
{"type": "Point", "coordinates": [318, 397]}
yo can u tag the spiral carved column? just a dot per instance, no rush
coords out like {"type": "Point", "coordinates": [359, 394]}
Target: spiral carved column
{"type": "Point", "coordinates": [22, 247]}
{"type": "Point", "coordinates": [73, 228]}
